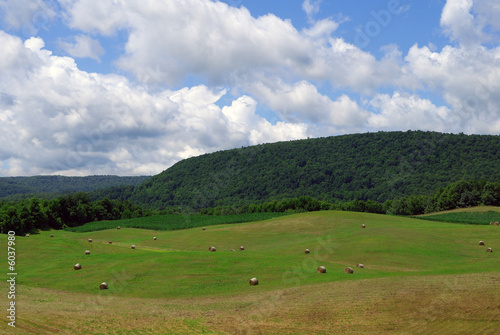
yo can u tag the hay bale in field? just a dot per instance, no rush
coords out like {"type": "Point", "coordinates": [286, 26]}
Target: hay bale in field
{"type": "Point", "coordinates": [349, 270]}
{"type": "Point", "coordinates": [481, 243]}
{"type": "Point", "coordinates": [154, 238]}
{"type": "Point", "coordinates": [90, 240]}
{"type": "Point", "coordinates": [212, 249]}
{"type": "Point", "coordinates": [489, 250]}
{"type": "Point", "coordinates": [361, 266]}
{"type": "Point", "coordinates": [363, 226]}
{"type": "Point", "coordinates": [87, 252]}
{"type": "Point", "coordinates": [78, 266]}
{"type": "Point", "coordinates": [321, 269]}
{"type": "Point", "coordinates": [132, 246]}
{"type": "Point", "coordinates": [103, 286]}
{"type": "Point", "coordinates": [254, 281]}
{"type": "Point", "coordinates": [307, 251]}
{"type": "Point", "coordinates": [242, 248]}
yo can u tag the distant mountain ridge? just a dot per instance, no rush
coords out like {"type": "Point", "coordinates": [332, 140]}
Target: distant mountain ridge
{"type": "Point", "coordinates": [37, 185]}
{"type": "Point", "coordinates": [370, 166]}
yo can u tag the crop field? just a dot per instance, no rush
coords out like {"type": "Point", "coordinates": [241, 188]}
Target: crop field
{"type": "Point", "coordinates": [476, 215]}
{"type": "Point", "coordinates": [419, 277]}
{"type": "Point", "coordinates": [174, 222]}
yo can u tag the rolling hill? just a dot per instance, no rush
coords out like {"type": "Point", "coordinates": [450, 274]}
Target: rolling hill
{"type": "Point", "coordinates": [420, 277]}
{"type": "Point", "coordinates": [371, 166]}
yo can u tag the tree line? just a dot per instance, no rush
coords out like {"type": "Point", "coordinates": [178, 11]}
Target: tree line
{"type": "Point", "coordinates": [27, 215]}
{"type": "Point", "coordinates": [461, 194]}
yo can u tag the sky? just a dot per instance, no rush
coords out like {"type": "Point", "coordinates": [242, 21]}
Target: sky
{"type": "Point", "coordinates": [117, 87]}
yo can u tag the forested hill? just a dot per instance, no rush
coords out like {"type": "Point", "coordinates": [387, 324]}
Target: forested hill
{"type": "Point", "coordinates": [57, 185]}
{"type": "Point", "coordinates": [371, 166]}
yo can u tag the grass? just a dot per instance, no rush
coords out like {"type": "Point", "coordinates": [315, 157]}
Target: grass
{"type": "Point", "coordinates": [174, 222]}
{"type": "Point", "coordinates": [476, 216]}
{"type": "Point", "coordinates": [420, 277]}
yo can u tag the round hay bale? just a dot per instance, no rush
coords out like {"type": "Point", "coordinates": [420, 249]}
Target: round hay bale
{"type": "Point", "coordinates": [349, 270]}
{"type": "Point", "coordinates": [154, 238]}
{"type": "Point", "coordinates": [87, 252]}
{"type": "Point", "coordinates": [242, 248]}
{"type": "Point", "coordinates": [489, 250]}
{"type": "Point", "coordinates": [254, 281]}
{"type": "Point", "coordinates": [78, 266]}
{"type": "Point", "coordinates": [90, 240]}
{"type": "Point", "coordinates": [361, 266]}
{"type": "Point", "coordinates": [118, 227]}
{"type": "Point", "coordinates": [481, 243]}
{"type": "Point", "coordinates": [307, 251]}
{"type": "Point", "coordinates": [363, 226]}
{"type": "Point", "coordinates": [103, 286]}
{"type": "Point", "coordinates": [51, 235]}
{"type": "Point", "coordinates": [321, 269]}
{"type": "Point", "coordinates": [132, 246]}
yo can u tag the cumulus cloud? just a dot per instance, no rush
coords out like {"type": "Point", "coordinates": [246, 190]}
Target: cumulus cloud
{"type": "Point", "coordinates": [468, 79]}
{"type": "Point", "coordinates": [170, 41]}
{"type": "Point", "coordinates": [459, 23]}
{"type": "Point", "coordinates": [303, 101]}
{"type": "Point", "coordinates": [28, 16]}
{"type": "Point", "coordinates": [82, 46]}
{"type": "Point", "coordinates": [317, 83]}
{"type": "Point", "coordinates": [404, 111]}
{"type": "Point", "coordinates": [105, 124]}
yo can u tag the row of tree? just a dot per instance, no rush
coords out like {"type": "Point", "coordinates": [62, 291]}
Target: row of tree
{"type": "Point", "coordinates": [73, 210]}
{"type": "Point", "coordinates": [27, 215]}
{"type": "Point", "coordinates": [461, 194]}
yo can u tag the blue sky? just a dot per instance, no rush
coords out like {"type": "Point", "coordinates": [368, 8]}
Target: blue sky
{"type": "Point", "coordinates": [130, 88]}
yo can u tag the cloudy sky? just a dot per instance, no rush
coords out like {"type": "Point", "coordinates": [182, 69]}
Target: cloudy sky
{"type": "Point", "coordinates": [131, 87]}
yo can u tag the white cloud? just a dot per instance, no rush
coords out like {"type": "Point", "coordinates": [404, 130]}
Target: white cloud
{"type": "Point", "coordinates": [459, 23]}
{"type": "Point", "coordinates": [82, 46]}
{"type": "Point", "coordinates": [170, 41]}
{"type": "Point", "coordinates": [311, 7]}
{"type": "Point", "coordinates": [404, 111]}
{"type": "Point", "coordinates": [317, 83]}
{"type": "Point", "coordinates": [104, 124]}
{"type": "Point", "coordinates": [28, 16]}
{"type": "Point", "coordinates": [302, 101]}
{"type": "Point", "coordinates": [468, 79]}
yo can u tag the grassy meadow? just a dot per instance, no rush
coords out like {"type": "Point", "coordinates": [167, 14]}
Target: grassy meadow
{"type": "Point", "coordinates": [420, 277]}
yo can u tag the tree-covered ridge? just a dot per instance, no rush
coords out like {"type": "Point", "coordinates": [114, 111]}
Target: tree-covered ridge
{"type": "Point", "coordinates": [372, 166]}
{"type": "Point", "coordinates": [52, 186]}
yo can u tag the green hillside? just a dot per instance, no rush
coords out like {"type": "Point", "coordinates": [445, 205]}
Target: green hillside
{"type": "Point", "coordinates": [419, 277]}
{"type": "Point", "coordinates": [51, 186]}
{"type": "Point", "coordinates": [371, 166]}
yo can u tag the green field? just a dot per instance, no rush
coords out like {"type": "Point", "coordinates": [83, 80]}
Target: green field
{"type": "Point", "coordinates": [420, 277]}
{"type": "Point", "coordinates": [476, 215]}
{"type": "Point", "coordinates": [174, 222]}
